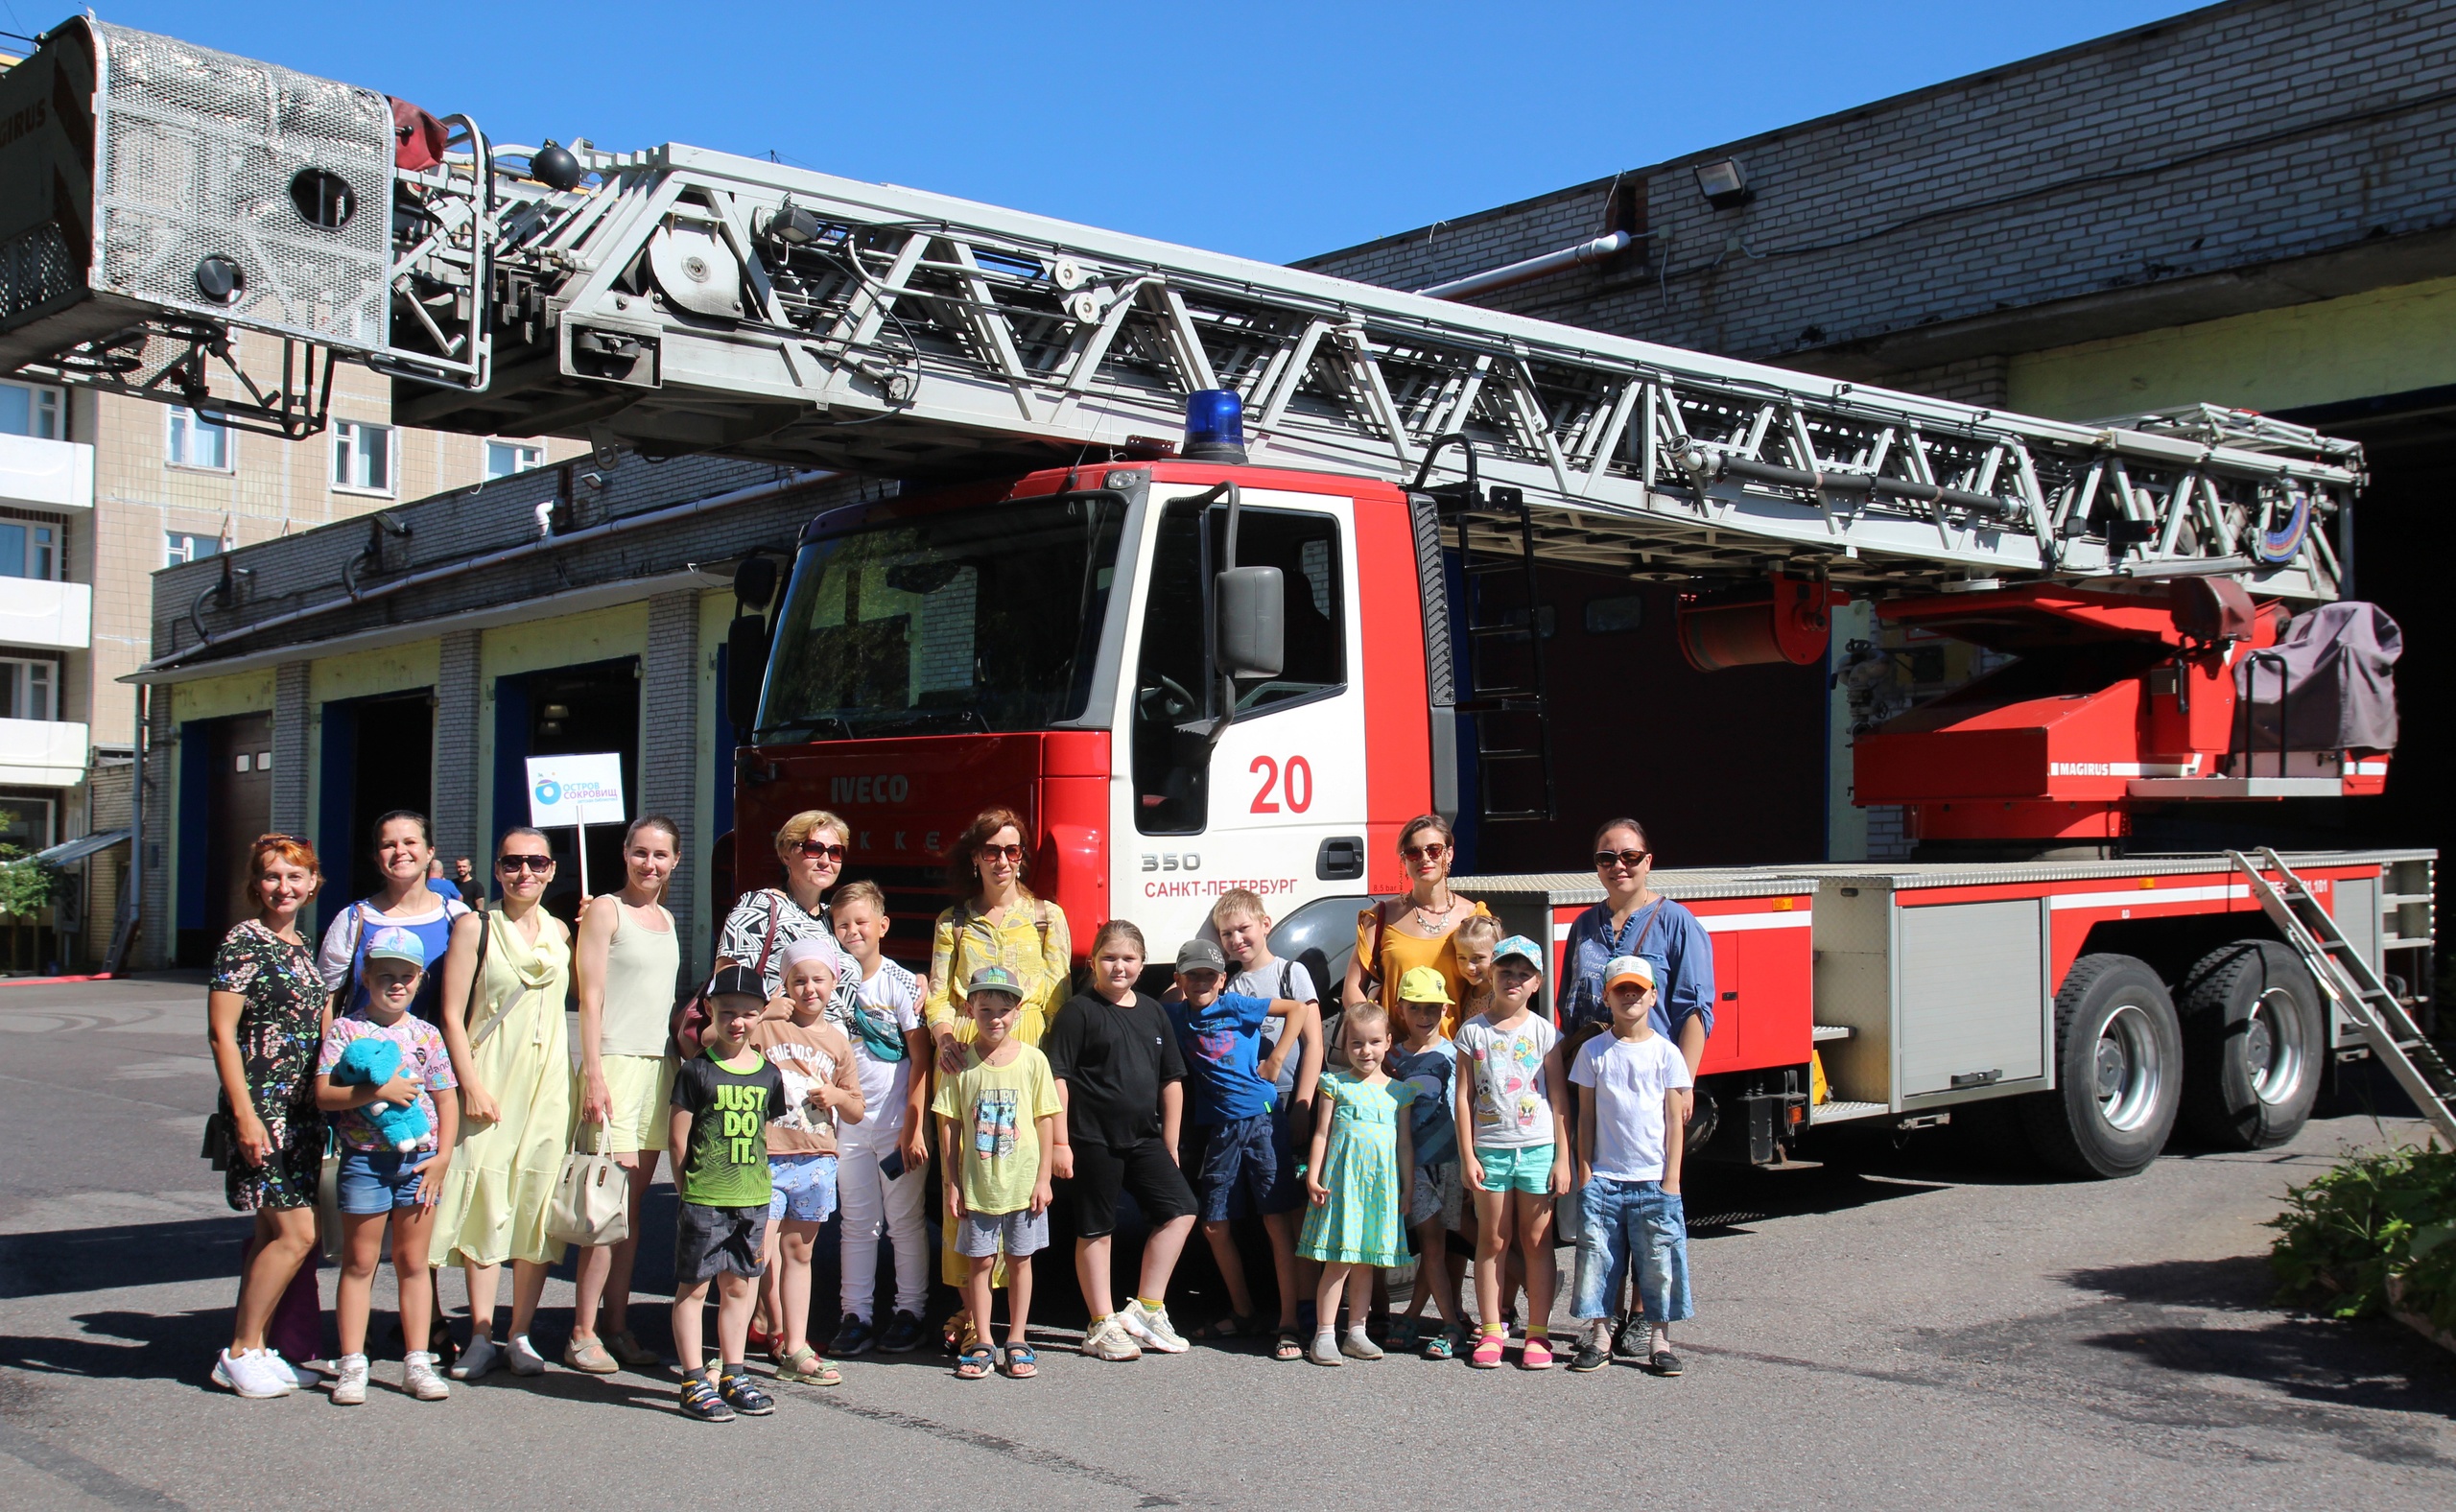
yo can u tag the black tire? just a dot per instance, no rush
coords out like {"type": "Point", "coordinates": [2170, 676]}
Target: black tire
{"type": "Point", "coordinates": [2118, 1060]}
{"type": "Point", "coordinates": [2254, 1046]}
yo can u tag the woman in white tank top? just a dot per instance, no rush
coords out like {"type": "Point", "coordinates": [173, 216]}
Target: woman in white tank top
{"type": "Point", "coordinates": [629, 965]}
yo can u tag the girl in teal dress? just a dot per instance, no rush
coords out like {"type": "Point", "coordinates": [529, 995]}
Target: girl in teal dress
{"type": "Point", "coordinates": [1358, 1179]}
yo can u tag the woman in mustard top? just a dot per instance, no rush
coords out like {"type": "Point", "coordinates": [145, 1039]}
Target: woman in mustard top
{"type": "Point", "coordinates": [1398, 934]}
{"type": "Point", "coordinates": [998, 923]}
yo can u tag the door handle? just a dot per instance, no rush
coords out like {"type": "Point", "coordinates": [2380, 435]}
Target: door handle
{"type": "Point", "coordinates": [1340, 859]}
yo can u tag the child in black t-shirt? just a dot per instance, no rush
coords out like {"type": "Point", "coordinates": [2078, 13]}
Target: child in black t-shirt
{"type": "Point", "coordinates": [722, 1099]}
{"type": "Point", "coordinates": [1121, 1078]}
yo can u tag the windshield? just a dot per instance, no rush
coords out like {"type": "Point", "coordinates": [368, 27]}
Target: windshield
{"type": "Point", "coordinates": [980, 619]}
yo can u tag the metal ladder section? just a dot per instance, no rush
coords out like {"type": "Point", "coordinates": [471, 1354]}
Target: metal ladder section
{"type": "Point", "coordinates": [1513, 698]}
{"type": "Point", "coordinates": [695, 302]}
{"type": "Point", "coordinates": [2349, 981]}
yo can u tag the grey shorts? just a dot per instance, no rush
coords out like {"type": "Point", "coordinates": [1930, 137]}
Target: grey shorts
{"type": "Point", "coordinates": [1023, 1230]}
{"type": "Point", "coordinates": [708, 1240]}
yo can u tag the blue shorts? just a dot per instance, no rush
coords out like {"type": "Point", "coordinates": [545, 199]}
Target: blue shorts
{"type": "Point", "coordinates": [379, 1180]}
{"type": "Point", "coordinates": [1245, 1169]}
{"type": "Point", "coordinates": [1516, 1168]}
{"type": "Point", "coordinates": [804, 1188]}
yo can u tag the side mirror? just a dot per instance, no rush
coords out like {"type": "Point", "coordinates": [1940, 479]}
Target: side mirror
{"type": "Point", "coordinates": [754, 582]}
{"type": "Point", "coordinates": [1251, 634]}
{"type": "Point", "coordinates": [746, 670]}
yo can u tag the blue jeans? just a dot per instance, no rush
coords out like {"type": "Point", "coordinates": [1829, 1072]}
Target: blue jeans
{"type": "Point", "coordinates": [1633, 1222]}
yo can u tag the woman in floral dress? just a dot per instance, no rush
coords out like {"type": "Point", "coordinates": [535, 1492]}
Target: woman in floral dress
{"type": "Point", "coordinates": [266, 1011]}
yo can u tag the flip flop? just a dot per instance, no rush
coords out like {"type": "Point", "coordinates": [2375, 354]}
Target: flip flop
{"type": "Point", "coordinates": [977, 1362]}
{"type": "Point", "coordinates": [1021, 1363]}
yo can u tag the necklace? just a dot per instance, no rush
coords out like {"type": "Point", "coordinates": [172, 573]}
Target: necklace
{"type": "Point", "coordinates": [1431, 919]}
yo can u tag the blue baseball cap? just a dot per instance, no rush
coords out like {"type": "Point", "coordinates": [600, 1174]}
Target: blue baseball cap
{"type": "Point", "coordinates": [1524, 949]}
{"type": "Point", "coordinates": [393, 943]}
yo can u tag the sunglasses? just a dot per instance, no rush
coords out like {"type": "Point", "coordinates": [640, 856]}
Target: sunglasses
{"type": "Point", "coordinates": [1432, 852]}
{"type": "Point", "coordinates": [524, 862]}
{"type": "Point", "coordinates": [1013, 853]}
{"type": "Point", "coordinates": [821, 850]}
{"type": "Point", "coordinates": [1605, 861]}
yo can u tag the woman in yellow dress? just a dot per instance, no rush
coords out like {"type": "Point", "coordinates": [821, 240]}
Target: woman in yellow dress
{"type": "Point", "coordinates": [998, 923]}
{"type": "Point", "coordinates": [1398, 934]}
{"type": "Point", "coordinates": [513, 1055]}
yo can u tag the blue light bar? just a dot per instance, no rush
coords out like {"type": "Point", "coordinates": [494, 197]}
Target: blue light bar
{"type": "Point", "coordinates": [1214, 426]}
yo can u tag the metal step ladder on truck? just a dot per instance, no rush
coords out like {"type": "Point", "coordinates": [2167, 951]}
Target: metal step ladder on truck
{"type": "Point", "coordinates": [1231, 658]}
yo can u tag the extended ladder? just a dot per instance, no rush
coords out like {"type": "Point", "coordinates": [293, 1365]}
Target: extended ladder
{"type": "Point", "coordinates": [2348, 981]}
{"type": "Point", "coordinates": [682, 300]}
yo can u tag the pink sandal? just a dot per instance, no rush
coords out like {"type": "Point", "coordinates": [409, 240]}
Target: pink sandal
{"type": "Point", "coordinates": [1538, 1353]}
{"type": "Point", "coordinates": [1488, 1350]}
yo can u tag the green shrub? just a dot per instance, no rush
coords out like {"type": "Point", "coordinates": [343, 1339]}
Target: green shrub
{"type": "Point", "coordinates": [2382, 1212]}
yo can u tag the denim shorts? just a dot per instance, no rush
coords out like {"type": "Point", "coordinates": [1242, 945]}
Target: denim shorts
{"type": "Point", "coordinates": [1627, 1223]}
{"type": "Point", "coordinates": [1520, 1168]}
{"type": "Point", "coordinates": [1244, 1170]}
{"type": "Point", "coordinates": [803, 1187]}
{"type": "Point", "coordinates": [379, 1180]}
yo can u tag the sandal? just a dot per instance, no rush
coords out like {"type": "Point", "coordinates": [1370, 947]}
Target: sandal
{"type": "Point", "coordinates": [1021, 1363]}
{"type": "Point", "coordinates": [959, 1336]}
{"type": "Point", "coordinates": [699, 1400]}
{"type": "Point", "coordinates": [1235, 1325]}
{"type": "Point", "coordinates": [1488, 1350]}
{"type": "Point", "coordinates": [1444, 1345]}
{"type": "Point", "coordinates": [1401, 1338]}
{"type": "Point", "coordinates": [629, 1350]}
{"type": "Point", "coordinates": [975, 1362]}
{"type": "Point", "coordinates": [1289, 1346]}
{"type": "Point", "coordinates": [805, 1364]}
{"type": "Point", "coordinates": [1536, 1354]}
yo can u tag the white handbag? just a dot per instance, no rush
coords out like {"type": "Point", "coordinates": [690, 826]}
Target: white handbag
{"type": "Point", "coordinates": [592, 1199]}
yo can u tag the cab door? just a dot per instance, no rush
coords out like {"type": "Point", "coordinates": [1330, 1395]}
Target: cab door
{"type": "Point", "coordinates": [1275, 800]}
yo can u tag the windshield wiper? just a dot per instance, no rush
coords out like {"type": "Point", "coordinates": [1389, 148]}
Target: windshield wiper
{"type": "Point", "coordinates": [805, 728]}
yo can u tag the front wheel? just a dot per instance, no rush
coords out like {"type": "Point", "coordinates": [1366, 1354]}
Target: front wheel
{"type": "Point", "coordinates": [2119, 1061]}
{"type": "Point", "coordinates": [2255, 1041]}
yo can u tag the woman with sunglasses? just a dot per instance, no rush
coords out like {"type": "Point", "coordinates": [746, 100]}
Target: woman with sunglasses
{"type": "Point", "coordinates": [1398, 934]}
{"type": "Point", "coordinates": [404, 848]}
{"type": "Point", "coordinates": [996, 922]}
{"type": "Point", "coordinates": [504, 982]}
{"type": "Point", "coordinates": [1633, 919]}
{"type": "Point", "coordinates": [811, 847]}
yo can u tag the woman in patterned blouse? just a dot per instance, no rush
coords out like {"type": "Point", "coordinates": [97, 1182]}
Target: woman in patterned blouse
{"type": "Point", "coordinates": [267, 1010]}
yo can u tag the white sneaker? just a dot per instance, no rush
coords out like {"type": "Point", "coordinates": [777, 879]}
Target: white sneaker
{"type": "Point", "coordinates": [281, 1367]}
{"type": "Point", "coordinates": [523, 1358]}
{"type": "Point", "coordinates": [350, 1383]}
{"type": "Point", "coordinates": [419, 1377]}
{"type": "Point", "coordinates": [1109, 1340]}
{"type": "Point", "coordinates": [477, 1360]}
{"type": "Point", "coordinates": [251, 1374]}
{"type": "Point", "coordinates": [1150, 1328]}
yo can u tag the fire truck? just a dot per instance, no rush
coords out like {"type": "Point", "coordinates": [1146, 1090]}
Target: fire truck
{"type": "Point", "coordinates": [1189, 564]}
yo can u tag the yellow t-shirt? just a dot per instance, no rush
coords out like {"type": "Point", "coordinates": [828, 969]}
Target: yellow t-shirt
{"type": "Point", "coordinates": [997, 1143]}
{"type": "Point", "coordinates": [1402, 953]}
{"type": "Point", "coordinates": [1033, 942]}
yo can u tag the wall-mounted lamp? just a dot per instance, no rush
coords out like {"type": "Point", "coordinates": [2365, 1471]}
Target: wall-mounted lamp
{"type": "Point", "coordinates": [1723, 183]}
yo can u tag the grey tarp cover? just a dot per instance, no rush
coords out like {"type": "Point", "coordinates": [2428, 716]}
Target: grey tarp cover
{"type": "Point", "coordinates": [2340, 681]}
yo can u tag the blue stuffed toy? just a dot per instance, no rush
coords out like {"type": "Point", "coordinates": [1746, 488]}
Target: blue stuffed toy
{"type": "Point", "coordinates": [371, 1062]}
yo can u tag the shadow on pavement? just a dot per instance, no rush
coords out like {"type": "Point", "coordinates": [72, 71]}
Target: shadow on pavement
{"type": "Point", "coordinates": [121, 1255]}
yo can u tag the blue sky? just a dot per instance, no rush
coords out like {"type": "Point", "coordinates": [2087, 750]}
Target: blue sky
{"type": "Point", "coordinates": [1267, 129]}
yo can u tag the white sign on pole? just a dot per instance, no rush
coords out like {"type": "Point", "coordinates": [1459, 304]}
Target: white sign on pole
{"type": "Point", "coordinates": [577, 790]}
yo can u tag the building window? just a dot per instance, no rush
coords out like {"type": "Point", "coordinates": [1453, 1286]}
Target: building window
{"type": "Point", "coordinates": [199, 443]}
{"type": "Point", "coordinates": [361, 457]}
{"type": "Point", "coordinates": [26, 823]}
{"type": "Point", "coordinates": [29, 690]}
{"type": "Point", "coordinates": [29, 410]}
{"type": "Point", "coordinates": [188, 546]}
{"type": "Point", "coordinates": [506, 458]}
{"type": "Point", "coordinates": [28, 550]}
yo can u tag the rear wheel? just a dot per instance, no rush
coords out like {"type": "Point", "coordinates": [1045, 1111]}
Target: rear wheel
{"type": "Point", "coordinates": [2253, 1046]}
{"type": "Point", "coordinates": [2119, 1064]}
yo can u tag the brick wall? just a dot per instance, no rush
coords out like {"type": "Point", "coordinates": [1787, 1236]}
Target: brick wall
{"type": "Point", "coordinates": [670, 736]}
{"type": "Point", "coordinates": [457, 714]}
{"type": "Point", "coordinates": [2230, 138]}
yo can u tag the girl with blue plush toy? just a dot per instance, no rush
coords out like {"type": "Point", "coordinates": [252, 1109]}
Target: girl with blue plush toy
{"type": "Point", "coordinates": [385, 1080]}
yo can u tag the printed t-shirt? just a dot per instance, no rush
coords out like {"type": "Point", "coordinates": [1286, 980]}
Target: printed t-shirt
{"type": "Point", "coordinates": [806, 1057]}
{"type": "Point", "coordinates": [1114, 1061]}
{"type": "Point", "coordinates": [996, 1142]}
{"type": "Point", "coordinates": [1222, 1047]}
{"type": "Point", "coordinates": [1432, 1071]}
{"type": "Point", "coordinates": [889, 1008]}
{"type": "Point", "coordinates": [727, 1165]}
{"type": "Point", "coordinates": [1278, 979]}
{"type": "Point", "coordinates": [423, 1060]}
{"type": "Point", "coordinates": [1629, 1078]}
{"type": "Point", "coordinates": [1511, 1106]}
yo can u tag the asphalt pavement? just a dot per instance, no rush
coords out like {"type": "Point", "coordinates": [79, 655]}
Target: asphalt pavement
{"type": "Point", "coordinates": [1908, 1325]}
